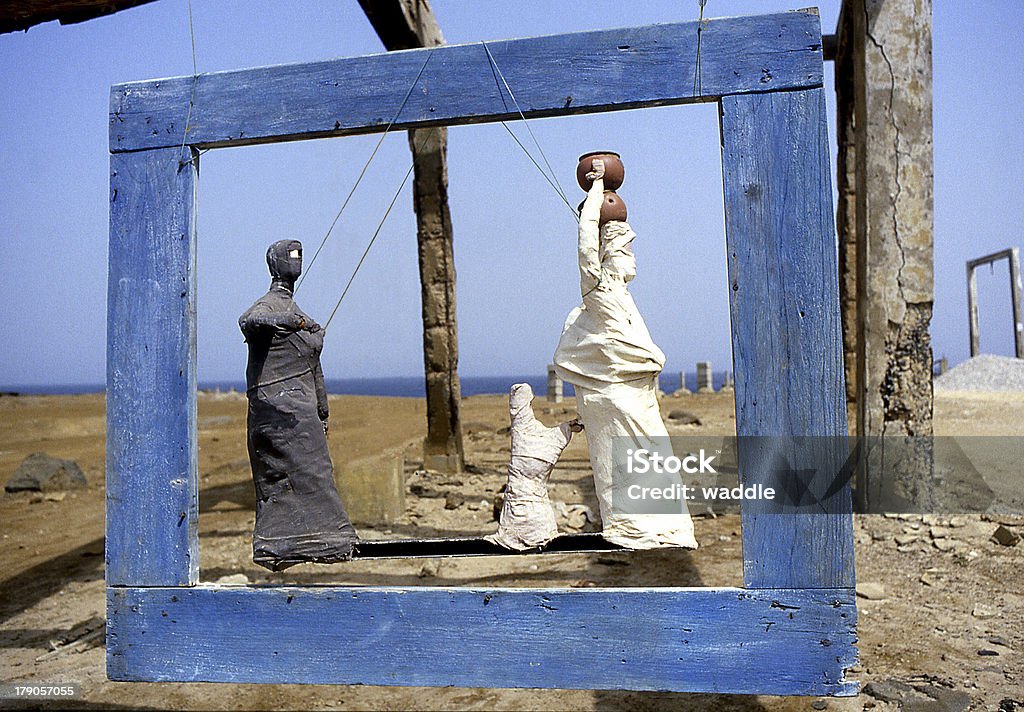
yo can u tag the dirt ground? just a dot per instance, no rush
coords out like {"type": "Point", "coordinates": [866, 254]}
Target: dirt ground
{"type": "Point", "coordinates": [947, 632]}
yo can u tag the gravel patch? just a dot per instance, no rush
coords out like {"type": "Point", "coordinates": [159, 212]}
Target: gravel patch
{"type": "Point", "coordinates": [984, 373]}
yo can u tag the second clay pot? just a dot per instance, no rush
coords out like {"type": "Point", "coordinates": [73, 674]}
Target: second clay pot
{"type": "Point", "coordinates": [613, 207]}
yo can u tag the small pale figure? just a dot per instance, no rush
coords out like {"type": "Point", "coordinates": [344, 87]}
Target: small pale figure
{"type": "Point", "coordinates": [527, 520]}
{"type": "Point", "coordinates": [608, 355]}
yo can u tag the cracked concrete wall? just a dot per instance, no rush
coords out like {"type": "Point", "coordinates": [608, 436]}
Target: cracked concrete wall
{"type": "Point", "coordinates": [442, 448]}
{"type": "Point", "coordinates": [885, 56]}
{"type": "Point", "coordinates": [895, 140]}
{"type": "Point", "coordinates": [886, 234]}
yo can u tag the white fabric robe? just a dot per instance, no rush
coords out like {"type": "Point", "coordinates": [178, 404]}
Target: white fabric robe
{"type": "Point", "coordinates": [608, 355]}
{"type": "Point", "coordinates": [527, 520]}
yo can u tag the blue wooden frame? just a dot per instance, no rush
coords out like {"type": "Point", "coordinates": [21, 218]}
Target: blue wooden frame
{"type": "Point", "coordinates": [790, 630]}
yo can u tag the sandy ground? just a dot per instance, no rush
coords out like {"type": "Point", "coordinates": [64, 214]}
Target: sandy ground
{"type": "Point", "coordinates": [949, 592]}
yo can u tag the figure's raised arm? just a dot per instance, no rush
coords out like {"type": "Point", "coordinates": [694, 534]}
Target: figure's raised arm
{"type": "Point", "coordinates": [590, 230]}
{"type": "Point", "coordinates": [262, 318]}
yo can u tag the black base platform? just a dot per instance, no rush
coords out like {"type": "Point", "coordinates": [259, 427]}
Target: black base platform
{"type": "Point", "coordinates": [476, 546]}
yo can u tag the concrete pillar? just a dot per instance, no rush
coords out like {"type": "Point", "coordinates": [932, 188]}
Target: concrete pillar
{"type": "Point", "coordinates": [406, 24]}
{"type": "Point", "coordinates": [442, 448]}
{"type": "Point", "coordinates": [850, 45]}
{"type": "Point", "coordinates": [683, 390]}
{"type": "Point", "coordinates": [554, 385]}
{"type": "Point", "coordinates": [705, 382]}
{"type": "Point", "coordinates": [898, 222]}
{"type": "Point", "coordinates": [884, 49]}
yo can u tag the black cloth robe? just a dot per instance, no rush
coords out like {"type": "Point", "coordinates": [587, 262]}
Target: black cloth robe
{"type": "Point", "coordinates": [299, 514]}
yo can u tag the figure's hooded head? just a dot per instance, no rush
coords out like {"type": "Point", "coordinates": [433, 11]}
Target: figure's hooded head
{"type": "Point", "coordinates": [284, 258]}
{"type": "Point", "coordinates": [520, 396]}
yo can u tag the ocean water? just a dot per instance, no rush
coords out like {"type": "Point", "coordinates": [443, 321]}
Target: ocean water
{"type": "Point", "coordinates": [403, 386]}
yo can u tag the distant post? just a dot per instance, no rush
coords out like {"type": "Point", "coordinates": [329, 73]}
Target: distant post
{"type": "Point", "coordinates": [682, 384]}
{"type": "Point", "coordinates": [705, 383]}
{"type": "Point", "coordinates": [555, 386]}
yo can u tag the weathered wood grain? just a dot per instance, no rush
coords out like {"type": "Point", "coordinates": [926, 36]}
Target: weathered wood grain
{"type": "Point", "coordinates": [550, 76]}
{"type": "Point", "coordinates": [706, 640]}
{"type": "Point", "coordinates": [787, 345]}
{"type": "Point", "coordinates": [152, 505]}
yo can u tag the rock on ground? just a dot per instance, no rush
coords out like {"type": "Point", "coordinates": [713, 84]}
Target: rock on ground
{"type": "Point", "coordinates": [683, 417]}
{"type": "Point", "coordinates": [872, 591]}
{"type": "Point", "coordinates": [40, 472]}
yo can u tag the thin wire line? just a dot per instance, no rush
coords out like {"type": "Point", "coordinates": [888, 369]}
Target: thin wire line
{"type": "Point", "coordinates": [496, 71]}
{"type": "Point", "coordinates": [523, 117]}
{"type": "Point", "coordinates": [376, 232]}
{"type": "Point", "coordinates": [363, 172]}
{"type": "Point", "coordinates": [192, 96]}
{"type": "Point", "coordinates": [698, 82]}
{"type": "Point", "coordinates": [511, 133]}
{"type": "Point", "coordinates": [533, 160]}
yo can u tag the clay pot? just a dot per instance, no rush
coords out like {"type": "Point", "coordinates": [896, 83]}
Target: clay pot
{"type": "Point", "coordinates": [614, 171]}
{"type": "Point", "coordinates": [613, 207]}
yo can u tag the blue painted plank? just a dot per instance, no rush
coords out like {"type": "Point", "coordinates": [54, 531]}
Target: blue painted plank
{"type": "Point", "coordinates": [550, 76]}
{"type": "Point", "coordinates": [787, 344]}
{"type": "Point", "coordinates": [782, 642]}
{"type": "Point", "coordinates": [152, 505]}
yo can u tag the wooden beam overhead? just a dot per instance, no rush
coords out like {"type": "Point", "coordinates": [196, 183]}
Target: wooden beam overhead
{"type": "Point", "coordinates": [403, 24]}
{"type": "Point", "coordinates": [557, 75]}
{"type": "Point", "coordinates": [23, 14]}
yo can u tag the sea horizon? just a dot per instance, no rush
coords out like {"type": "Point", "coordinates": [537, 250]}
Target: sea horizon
{"type": "Point", "coordinates": [393, 386]}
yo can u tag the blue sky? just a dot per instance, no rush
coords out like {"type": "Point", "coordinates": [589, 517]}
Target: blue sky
{"type": "Point", "coordinates": [514, 239]}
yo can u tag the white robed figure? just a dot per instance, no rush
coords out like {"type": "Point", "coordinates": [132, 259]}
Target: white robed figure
{"type": "Point", "coordinates": [608, 355]}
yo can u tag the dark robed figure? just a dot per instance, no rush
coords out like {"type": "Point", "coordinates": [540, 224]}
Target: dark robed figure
{"type": "Point", "coordinates": [299, 515]}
